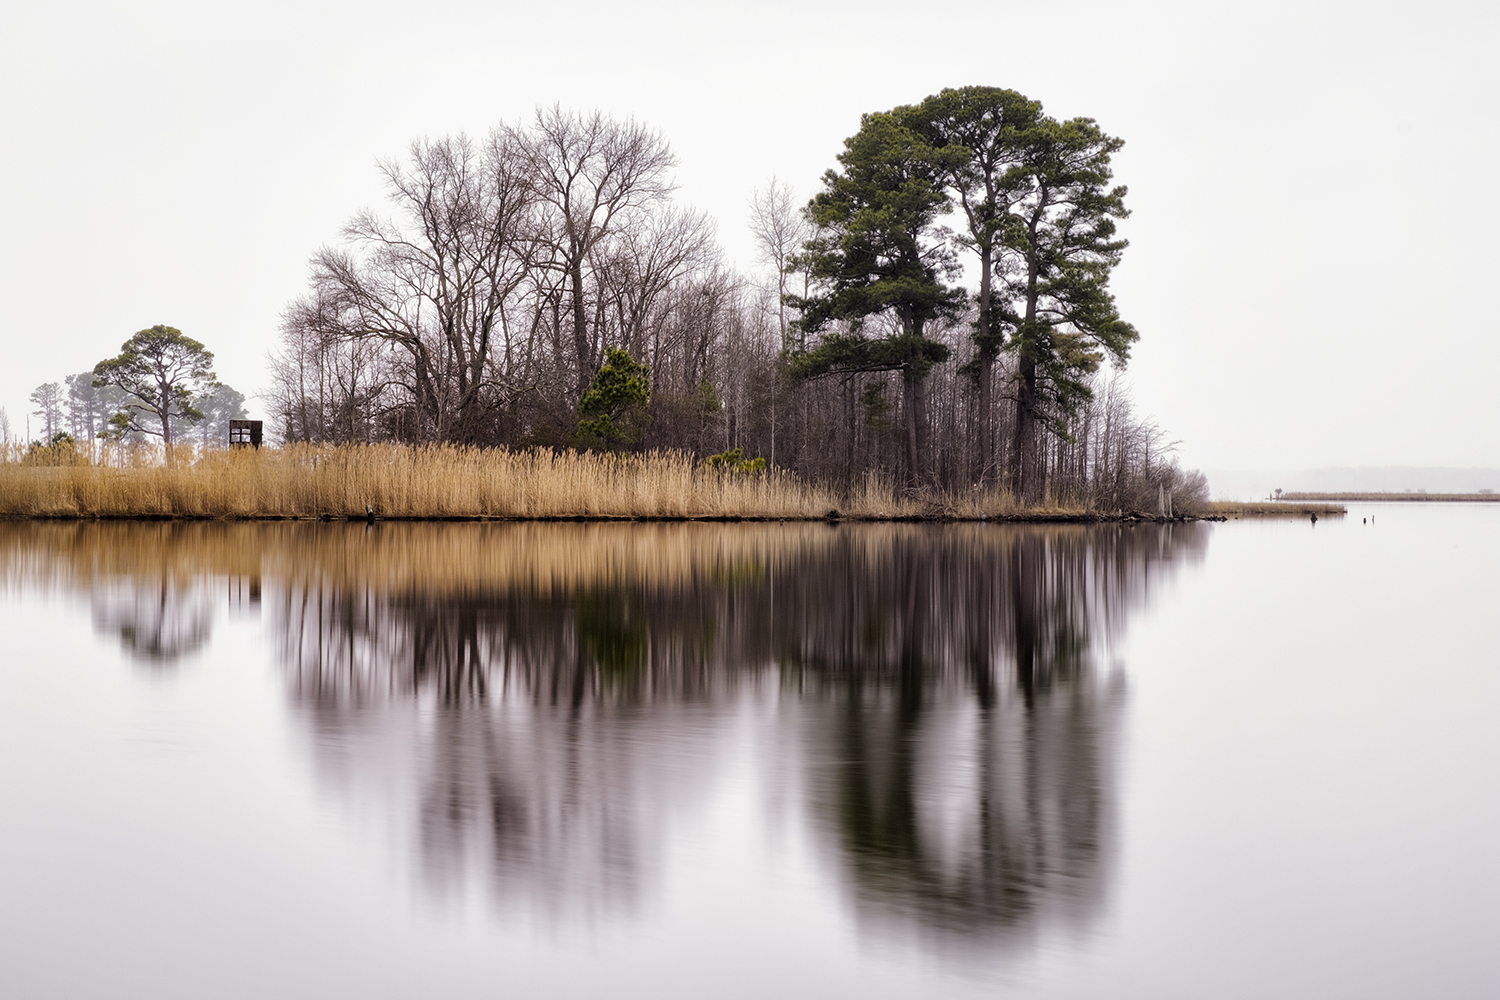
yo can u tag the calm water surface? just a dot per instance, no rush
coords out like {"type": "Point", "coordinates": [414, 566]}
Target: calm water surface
{"type": "Point", "coordinates": [304, 760]}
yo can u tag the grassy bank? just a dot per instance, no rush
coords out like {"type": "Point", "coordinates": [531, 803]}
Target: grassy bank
{"type": "Point", "coordinates": [1274, 508]}
{"type": "Point", "coordinates": [447, 482]}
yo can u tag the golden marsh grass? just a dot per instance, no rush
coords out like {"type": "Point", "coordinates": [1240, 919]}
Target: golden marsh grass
{"type": "Point", "coordinates": [453, 482]}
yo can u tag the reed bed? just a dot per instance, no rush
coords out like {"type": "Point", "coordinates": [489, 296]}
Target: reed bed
{"type": "Point", "coordinates": [454, 482]}
{"type": "Point", "coordinates": [1274, 508]}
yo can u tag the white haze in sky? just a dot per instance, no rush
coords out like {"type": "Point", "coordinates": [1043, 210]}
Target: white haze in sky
{"type": "Point", "coordinates": [1312, 245]}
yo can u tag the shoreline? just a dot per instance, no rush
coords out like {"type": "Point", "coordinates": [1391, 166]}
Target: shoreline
{"type": "Point", "coordinates": [1234, 509]}
{"type": "Point", "coordinates": [444, 483]}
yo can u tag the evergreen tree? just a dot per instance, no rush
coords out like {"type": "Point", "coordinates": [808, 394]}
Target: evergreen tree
{"type": "Point", "coordinates": [878, 251]}
{"type": "Point", "coordinates": [221, 404]}
{"type": "Point", "coordinates": [612, 412]}
{"type": "Point", "coordinates": [48, 399]}
{"type": "Point", "coordinates": [160, 372]}
{"type": "Point", "coordinates": [993, 127]}
{"type": "Point", "coordinates": [1064, 249]}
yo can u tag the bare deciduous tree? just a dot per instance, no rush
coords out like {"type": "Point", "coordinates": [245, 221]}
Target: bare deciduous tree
{"type": "Point", "coordinates": [780, 228]}
{"type": "Point", "coordinates": [648, 258]}
{"type": "Point", "coordinates": [434, 281]}
{"type": "Point", "coordinates": [596, 175]}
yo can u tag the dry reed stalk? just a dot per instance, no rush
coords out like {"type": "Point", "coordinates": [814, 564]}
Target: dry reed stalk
{"type": "Point", "coordinates": [447, 481]}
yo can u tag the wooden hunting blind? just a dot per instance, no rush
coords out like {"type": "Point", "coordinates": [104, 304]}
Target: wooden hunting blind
{"type": "Point", "coordinates": [244, 433]}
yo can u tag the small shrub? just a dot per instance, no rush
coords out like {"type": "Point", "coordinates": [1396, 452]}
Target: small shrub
{"type": "Point", "coordinates": [61, 450]}
{"type": "Point", "coordinates": [734, 460]}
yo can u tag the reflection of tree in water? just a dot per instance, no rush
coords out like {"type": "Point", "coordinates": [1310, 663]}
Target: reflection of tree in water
{"type": "Point", "coordinates": [957, 739]}
{"type": "Point", "coordinates": [154, 586]}
{"type": "Point", "coordinates": [159, 621]}
{"type": "Point", "coordinates": [963, 742]}
{"type": "Point", "coordinates": [550, 754]}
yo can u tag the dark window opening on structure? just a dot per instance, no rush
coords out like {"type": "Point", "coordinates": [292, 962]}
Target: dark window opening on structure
{"type": "Point", "coordinates": [244, 433]}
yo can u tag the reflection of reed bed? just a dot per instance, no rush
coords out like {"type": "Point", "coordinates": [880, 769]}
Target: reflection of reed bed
{"type": "Point", "coordinates": [479, 557]}
{"type": "Point", "coordinates": [80, 552]}
{"type": "Point", "coordinates": [425, 557]}
{"type": "Point", "coordinates": [535, 557]}
{"type": "Point", "coordinates": [438, 482]}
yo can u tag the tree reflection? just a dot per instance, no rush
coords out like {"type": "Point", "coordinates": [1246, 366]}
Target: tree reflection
{"type": "Point", "coordinates": [956, 736]}
{"type": "Point", "coordinates": [963, 741]}
{"type": "Point", "coordinates": [547, 697]}
{"type": "Point", "coordinates": [550, 745]}
{"type": "Point", "coordinates": [158, 623]}
{"type": "Point", "coordinates": [156, 587]}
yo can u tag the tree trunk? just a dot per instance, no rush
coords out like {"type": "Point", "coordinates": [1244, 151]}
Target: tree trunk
{"type": "Point", "coordinates": [850, 419]}
{"type": "Point", "coordinates": [914, 411]}
{"type": "Point", "coordinates": [988, 348]}
{"type": "Point", "coordinates": [1023, 452]}
{"type": "Point", "coordinates": [986, 430]}
{"type": "Point", "coordinates": [1023, 455]}
{"type": "Point", "coordinates": [581, 328]}
{"type": "Point", "coordinates": [164, 414]}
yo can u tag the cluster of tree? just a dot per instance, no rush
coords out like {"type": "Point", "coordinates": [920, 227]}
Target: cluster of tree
{"type": "Point", "coordinates": [161, 386]}
{"type": "Point", "coordinates": [542, 288]}
{"type": "Point", "coordinates": [482, 312]}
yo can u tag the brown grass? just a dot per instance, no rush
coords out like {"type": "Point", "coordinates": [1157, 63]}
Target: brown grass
{"type": "Point", "coordinates": [1277, 508]}
{"type": "Point", "coordinates": [450, 482]}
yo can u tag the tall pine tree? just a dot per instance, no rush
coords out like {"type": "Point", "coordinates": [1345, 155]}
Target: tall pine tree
{"type": "Point", "coordinates": [992, 126]}
{"type": "Point", "coordinates": [1060, 257]}
{"type": "Point", "coordinates": [878, 251]}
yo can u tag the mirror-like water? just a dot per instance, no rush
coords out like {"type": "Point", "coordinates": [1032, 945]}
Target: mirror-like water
{"type": "Point", "coordinates": [742, 760]}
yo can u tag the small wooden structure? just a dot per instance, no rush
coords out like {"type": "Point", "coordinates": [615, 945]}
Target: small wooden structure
{"type": "Point", "coordinates": [244, 433]}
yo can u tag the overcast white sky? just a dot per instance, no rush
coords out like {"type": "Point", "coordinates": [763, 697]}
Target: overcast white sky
{"type": "Point", "coordinates": [1313, 185]}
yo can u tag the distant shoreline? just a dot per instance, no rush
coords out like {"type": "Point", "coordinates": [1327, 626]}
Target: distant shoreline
{"type": "Point", "coordinates": [1402, 497]}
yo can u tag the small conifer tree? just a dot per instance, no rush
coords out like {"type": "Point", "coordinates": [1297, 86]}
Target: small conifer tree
{"type": "Point", "coordinates": [612, 413]}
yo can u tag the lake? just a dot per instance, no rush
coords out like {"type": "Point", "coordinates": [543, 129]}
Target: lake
{"type": "Point", "coordinates": [1246, 759]}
